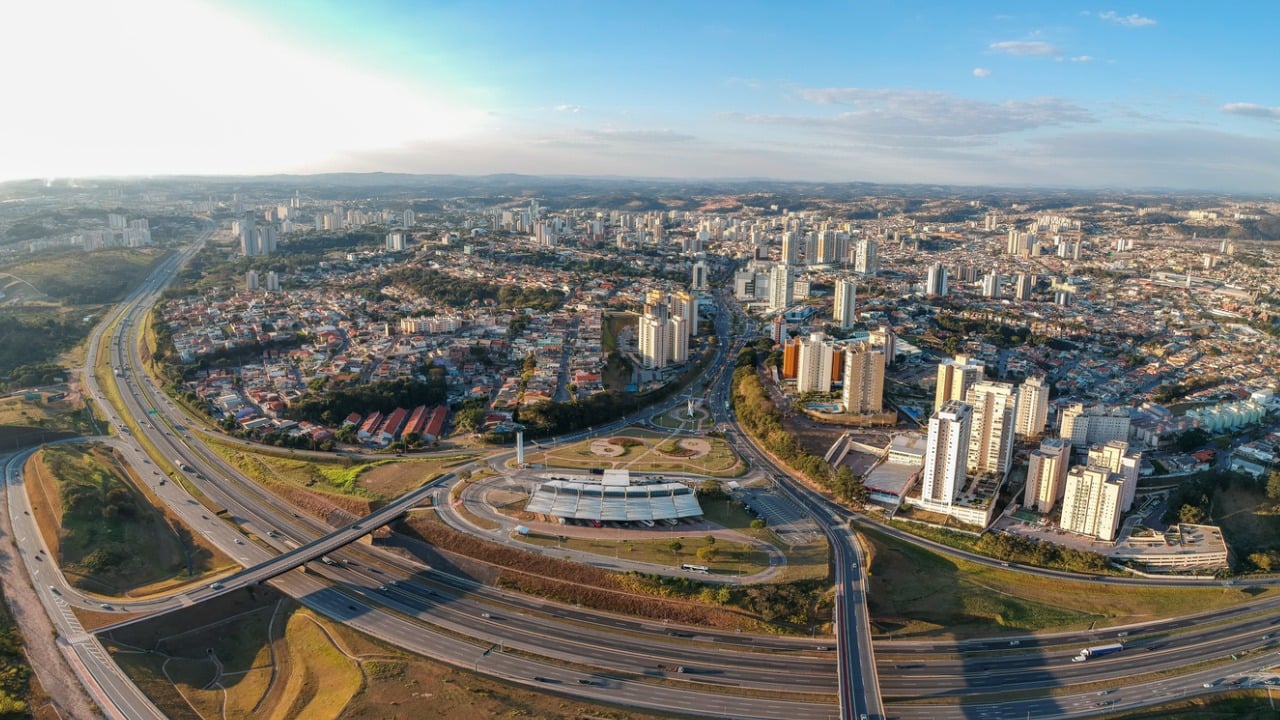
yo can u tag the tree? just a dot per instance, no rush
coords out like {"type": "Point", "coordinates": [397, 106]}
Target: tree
{"type": "Point", "coordinates": [1273, 485]}
{"type": "Point", "coordinates": [757, 524]}
{"type": "Point", "coordinates": [708, 553]}
{"type": "Point", "coordinates": [711, 539]}
{"type": "Point", "coordinates": [1260, 560]}
{"type": "Point", "coordinates": [1190, 514]}
{"type": "Point", "coordinates": [676, 546]}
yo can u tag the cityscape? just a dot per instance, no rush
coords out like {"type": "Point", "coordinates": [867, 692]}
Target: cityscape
{"type": "Point", "coordinates": [906, 393]}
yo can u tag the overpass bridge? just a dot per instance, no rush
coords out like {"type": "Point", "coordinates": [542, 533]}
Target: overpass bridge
{"type": "Point", "coordinates": [295, 558]}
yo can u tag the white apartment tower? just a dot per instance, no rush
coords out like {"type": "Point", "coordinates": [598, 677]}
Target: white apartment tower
{"type": "Point", "coordinates": [1033, 407]}
{"type": "Point", "coordinates": [1047, 475]}
{"type": "Point", "coordinates": [395, 241]}
{"type": "Point", "coordinates": [936, 281]}
{"type": "Point", "coordinates": [781, 286]}
{"type": "Point", "coordinates": [867, 262]}
{"type": "Point", "coordinates": [652, 337]}
{"type": "Point", "coordinates": [945, 452]}
{"type": "Point", "coordinates": [863, 379]}
{"type": "Point", "coordinates": [1115, 456]}
{"type": "Point", "coordinates": [991, 284]}
{"type": "Point", "coordinates": [699, 280]}
{"type": "Point", "coordinates": [845, 311]}
{"type": "Point", "coordinates": [409, 218]}
{"type": "Point", "coordinates": [273, 281]}
{"type": "Point", "coordinates": [995, 404]}
{"type": "Point", "coordinates": [954, 380]}
{"type": "Point", "coordinates": [791, 242]}
{"type": "Point", "coordinates": [813, 368]}
{"type": "Point", "coordinates": [1091, 502]}
{"type": "Point", "coordinates": [1096, 424]}
{"type": "Point", "coordinates": [251, 280]}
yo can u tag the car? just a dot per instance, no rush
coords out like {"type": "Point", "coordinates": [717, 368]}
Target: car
{"type": "Point", "coordinates": [105, 606]}
{"type": "Point", "coordinates": [383, 588]}
{"type": "Point", "coordinates": [585, 681]}
{"type": "Point", "coordinates": [1015, 643]}
{"type": "Point", "coordinates": [485, 615]}
{"type": "Point", "coordinates": [239, 541]}
{"type": "Point", "coordinates": [1211, 683]}
{"type": "Point", "coordinates": [54, 590]}
{"type": "Point", "coordinates": [215, 586]}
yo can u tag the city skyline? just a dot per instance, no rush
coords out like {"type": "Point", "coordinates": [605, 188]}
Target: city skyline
{"type": "Point", "coordinates": [1131, 95]}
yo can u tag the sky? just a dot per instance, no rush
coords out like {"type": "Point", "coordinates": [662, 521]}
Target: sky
{"type": "Point", "coordinates": [1171, 94]}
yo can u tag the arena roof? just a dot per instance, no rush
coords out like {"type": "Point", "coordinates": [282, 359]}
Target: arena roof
{"type": "Point", "coordinates": [579, 500]}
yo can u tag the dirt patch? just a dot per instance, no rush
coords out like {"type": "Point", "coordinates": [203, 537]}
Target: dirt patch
{"type": "Point", "coordinates": [607, 448]}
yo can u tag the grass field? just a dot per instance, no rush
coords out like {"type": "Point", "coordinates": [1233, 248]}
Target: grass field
{"type": "Point", "coordinates": [378, 479]}
{"type": "Point", "coordinates": [61, 416]}
{"type": "Point", "coordinates": [273, 660]}
{"type": "Point", "coordinates": [721, 461]}
{"type": "Point", "coordinates": [80, 278]}
{"type": "Point", "coordinates": [804, 562]}
{"type": "Point", "coordinates": [731, 558]}
{"type": "Point", "coordinates": [1236, 705]}
{"type": "Point", "coordinates": [110, 535]}
{"type": "Point", "coordinates": [1247, 520]}
{"type": "Point", "coordinates": [915, 593]}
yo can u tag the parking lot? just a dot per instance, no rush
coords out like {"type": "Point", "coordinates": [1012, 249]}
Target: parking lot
{"type": "Point", "coordinates": [781, 515]}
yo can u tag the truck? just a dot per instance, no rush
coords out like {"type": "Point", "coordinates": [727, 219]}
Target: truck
{"type": "Point", "coordinates": [1098, 651]}
{"type": "Point", "coordinates": [181, 465]}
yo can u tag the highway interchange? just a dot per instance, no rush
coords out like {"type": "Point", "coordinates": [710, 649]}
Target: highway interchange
{"type": "Point", "coordinates": [596, 655]}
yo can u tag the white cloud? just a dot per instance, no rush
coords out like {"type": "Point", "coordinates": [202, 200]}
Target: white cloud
{"type": "Point", "coordinates": [1082, 58]}
{"type": "Point", "coordinates": [880, 113]}
{"type": "Point", "coordinates": [1024, 47]}
{"type": "Point", "coordinates": [982, 72]}
{"type": "Point", "coordinates": [1134, 20]}
{"type": "Point", "coordinates": [569, 108]}
{"type": "Point", "coordinates": [1252, 110]}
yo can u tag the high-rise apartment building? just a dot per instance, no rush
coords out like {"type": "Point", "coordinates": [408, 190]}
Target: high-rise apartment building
{"type": "Point", "coordinates": [1084, 426]}
{"type": "Point", "coordinates": [781, 287]}
{"type": "Point", "coordinates": [1091, 502]}
{"type": "Point", "coordinates": [1047, 475]}
{"type": "Point", "coordinates": [995, 404]}
{"type": "Point", "coordinates": [698, 281]}
{"type": "Point", "coordinates": [945, 452]}
{"type": "Point", "coordinates": [395, 241]}
{"type": "Point", "coordinates": [936, 281]}
{"type": "Point", "coordinates": [652, 337]}
{"type": "Point", "coordinates": [954, 379]}
{"type": "Point", "coordinates": [410, 219]}
{"type": "Point", "coordinates": [863, 379]}
{"type": "Point", "coordinates": [1033, 407]}
{"type": "Point", "coordinates": [1116, 457]}
{"type": "Point", "coordinates": [991, 284]}
{"type": "Point", "coordinates": [251, 280]}
{"type": "Point", "coordinates": [791, 243]}
{"type": "Point", "coordinates": [813, 367]}
{"type": "Point", "coordinates": [1022, 290]}
{"type": "Point", "coordinates": [845, 310]}
{"type": "Point", "coordinates": [867, 261]}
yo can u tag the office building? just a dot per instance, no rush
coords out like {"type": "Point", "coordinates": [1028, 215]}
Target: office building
{"type": "Point", "coordinates": [1033, 407]}
{"type": "Point", "coordinates": [954, 379]}
{"type": "Point", "coordinates": [945, 452]}
{"type": "Point", "coordinates": [1091, 502]}
{"type": "Point", "coordinates": [995, 404]}
{"type": "Point", "coordinates": [844, 312]}
{"type": "Point", "coordinates": [1047, 475]}
{"type": "Point", "coordinates": [863, 379]}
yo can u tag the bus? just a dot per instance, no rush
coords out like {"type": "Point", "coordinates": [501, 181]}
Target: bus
{"type": "Point", "coordinates": [695, 568]}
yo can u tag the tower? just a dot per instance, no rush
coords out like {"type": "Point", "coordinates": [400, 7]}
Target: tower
{"type": "Point", "coordinates": [991, 440]}
{"type": "Point", "coordinates": [1033, 407]}
{"type": "Point", "coordinates": [936, 281]}
{"type": "Point", "coordinates": [813, 367]}
{"type": "Point", "coordinates": [781, 283]}
{"type": "Point", "coordinates": [944, 457]}
{"type": "Point", "coordinates": [1047, 475]}
{"type": "Point", "coordinates": [954, 379]}
{"type": "Point", "coordinates": [863, 379]}
{"type": "Point", "coordinates": [867, 261]}
{"type": "Point", "coordinates": [844, 312]}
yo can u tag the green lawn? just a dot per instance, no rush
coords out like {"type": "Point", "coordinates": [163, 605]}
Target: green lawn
{"type": "Point", "coordinates": [731, 558]}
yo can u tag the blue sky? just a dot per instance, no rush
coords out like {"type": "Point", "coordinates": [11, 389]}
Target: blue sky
{"type": "Point", "coordinates": [1156, 94]}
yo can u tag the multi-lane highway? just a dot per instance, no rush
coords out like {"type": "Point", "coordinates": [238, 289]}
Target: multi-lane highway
{"type": "Point", "coordinates": [599, 656]}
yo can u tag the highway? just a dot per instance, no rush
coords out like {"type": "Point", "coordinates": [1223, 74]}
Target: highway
{"type": "Point", "coordinates": [417, 608]}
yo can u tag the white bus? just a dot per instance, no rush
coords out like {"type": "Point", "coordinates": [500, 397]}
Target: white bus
{"type": "Point", "coordinates": [695, 568]}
